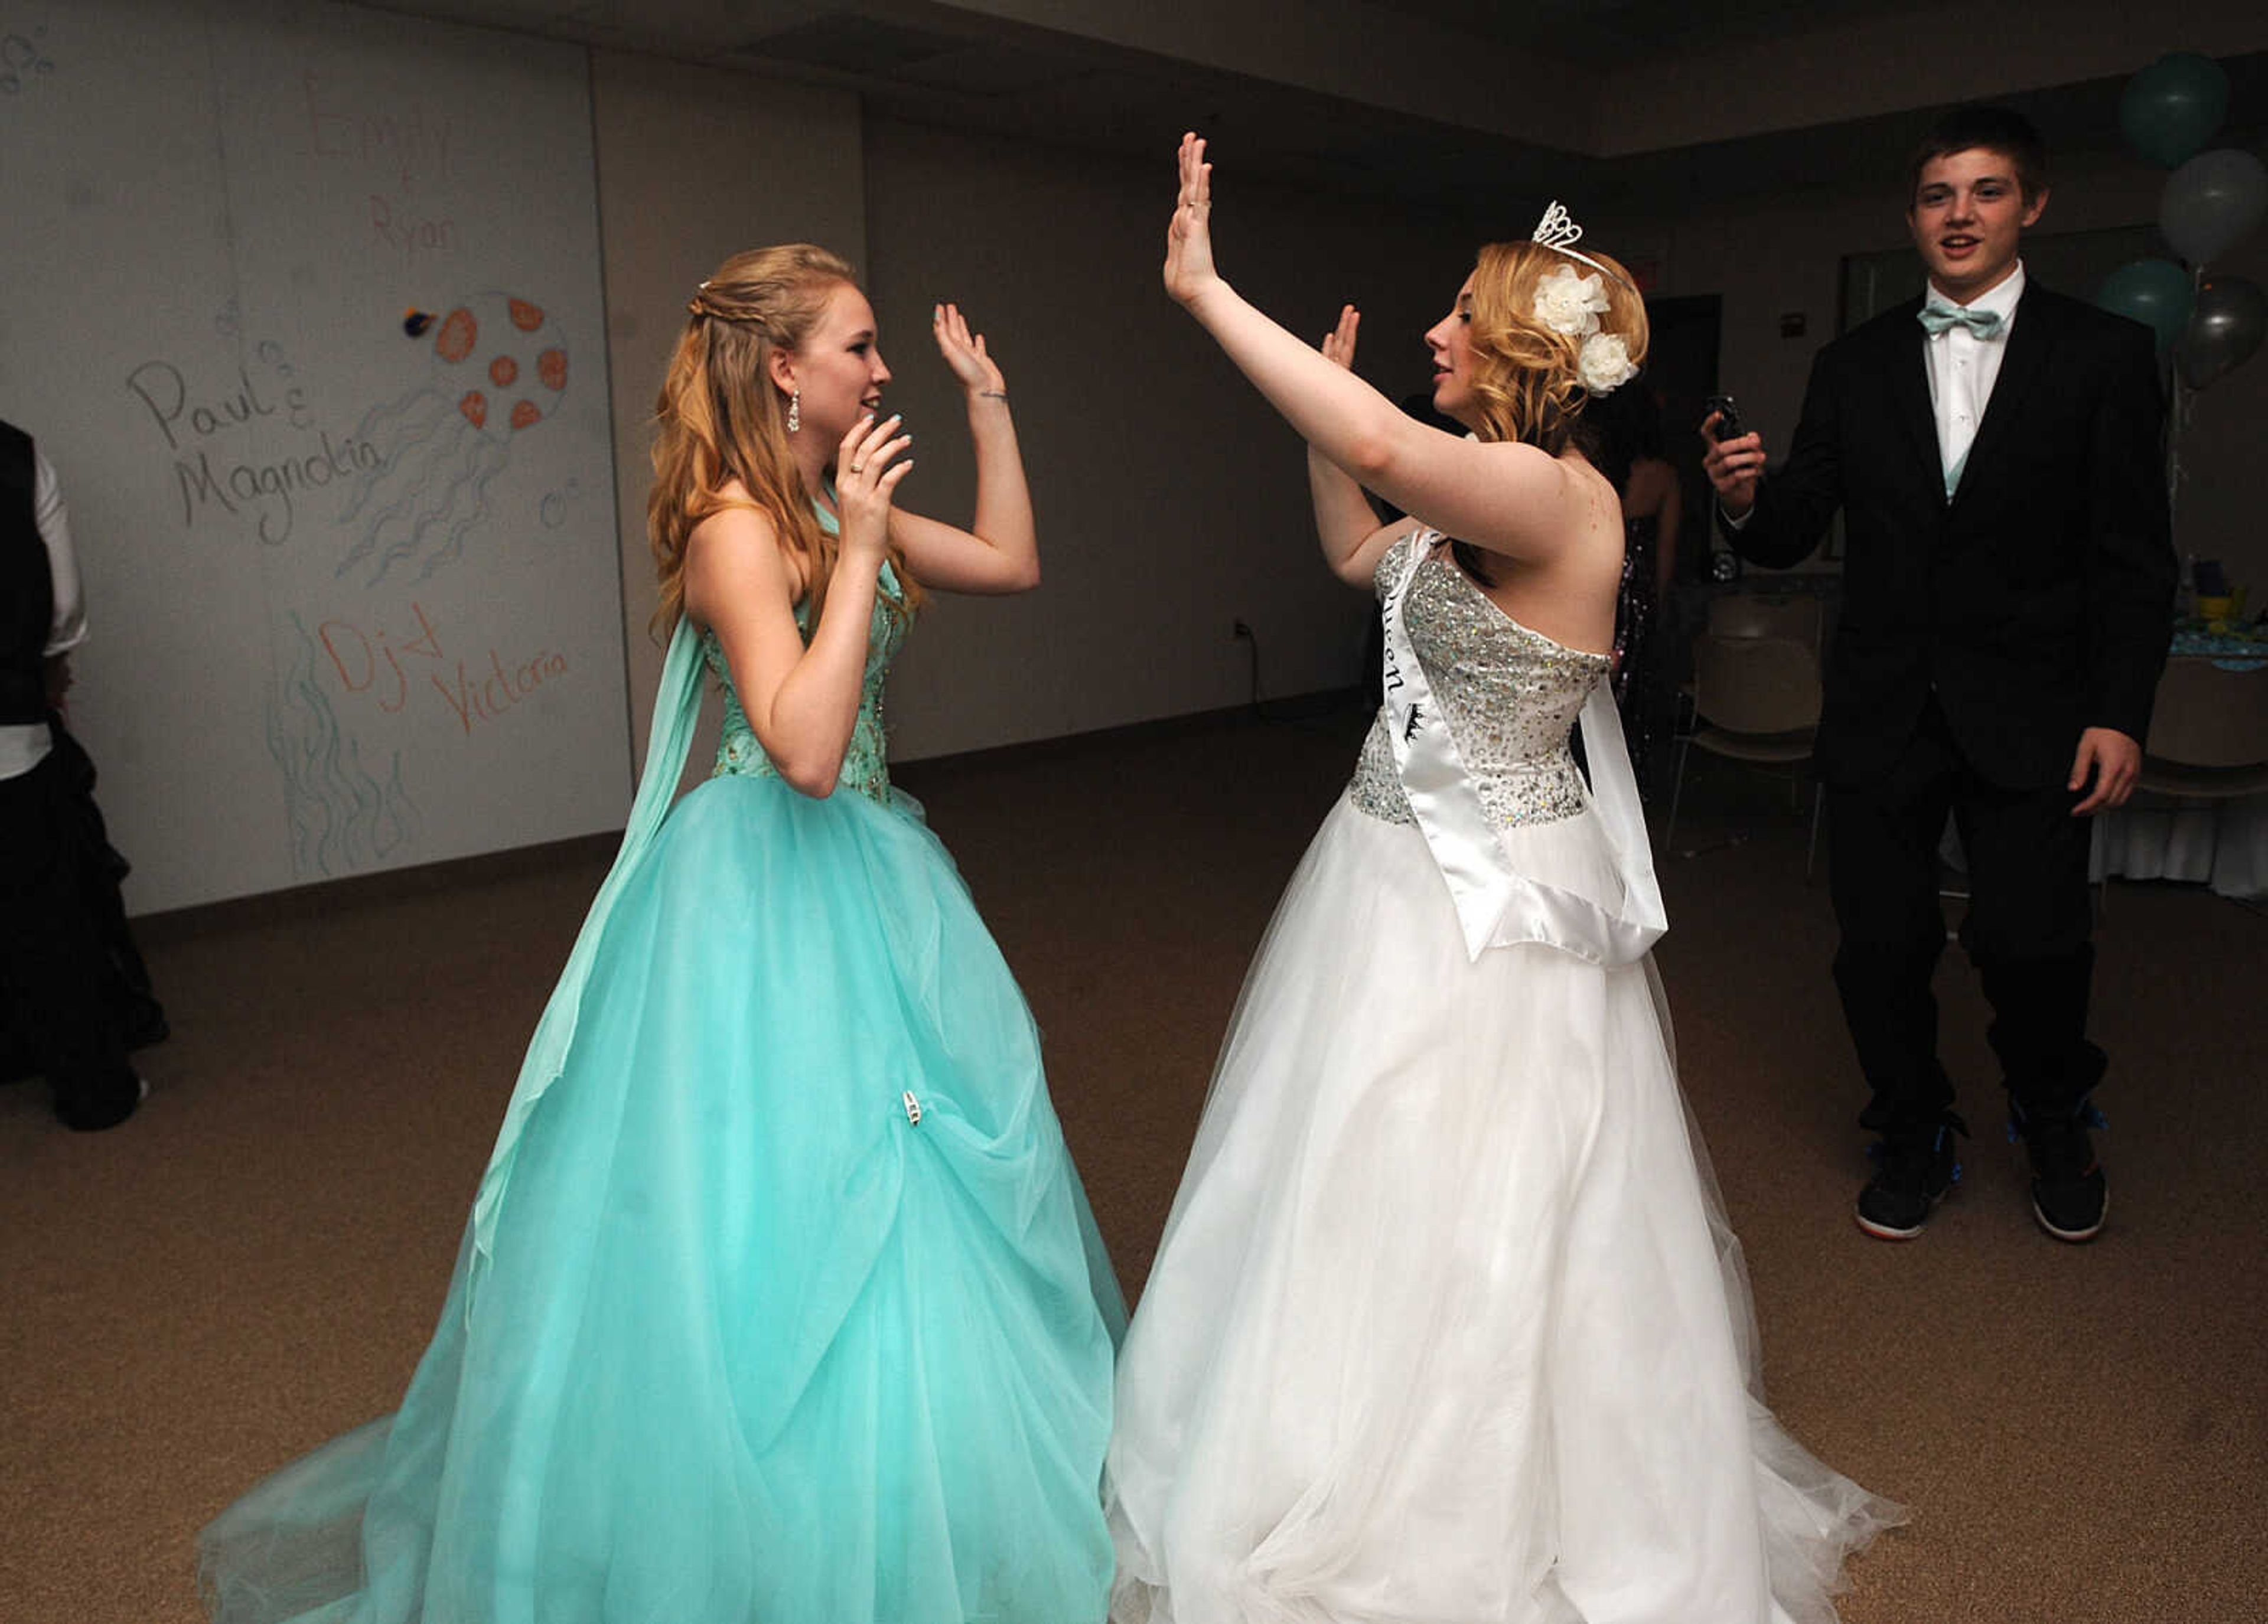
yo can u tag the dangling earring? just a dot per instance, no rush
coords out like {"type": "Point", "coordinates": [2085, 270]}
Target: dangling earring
{"type": "Point", "coordinates": [795, 411]}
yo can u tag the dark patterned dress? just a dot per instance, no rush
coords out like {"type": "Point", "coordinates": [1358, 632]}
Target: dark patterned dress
{"type": "Point", "coordinates": [1637, 679]}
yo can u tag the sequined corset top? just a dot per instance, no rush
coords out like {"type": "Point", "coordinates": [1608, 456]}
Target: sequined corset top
{"type": "Point", "coordinates": [1511, 695]}
{"type": "Point", "coordinates": [865, 764]}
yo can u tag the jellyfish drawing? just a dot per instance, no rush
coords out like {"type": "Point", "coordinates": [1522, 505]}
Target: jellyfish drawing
{"type": "Point", "coordinates": [342, 819]}
{"type": "Point", "coordinates": [499, 368]}
{"type": "Point", "coordinates": [20, 56]}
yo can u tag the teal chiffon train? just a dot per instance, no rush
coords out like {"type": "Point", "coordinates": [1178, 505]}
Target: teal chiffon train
{"type": "Point", "coordinates": [795, 1312]}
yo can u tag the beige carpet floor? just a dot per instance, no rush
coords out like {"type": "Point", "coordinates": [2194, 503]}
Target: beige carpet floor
{"type": "Point", "coordinates": [252, 1263]}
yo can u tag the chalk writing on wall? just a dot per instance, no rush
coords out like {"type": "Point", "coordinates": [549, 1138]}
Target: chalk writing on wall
{"type": "Point", "coordinates": [195, 419]}
{"type": "Point", "coordinates": [353, 577]}
{"type": "Point", "coordinates": [381, 667]}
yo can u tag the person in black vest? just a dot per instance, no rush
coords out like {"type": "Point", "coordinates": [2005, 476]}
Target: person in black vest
{"type": "Point", "coordinates": [1996, 452]}
{"type": "Point", "coordinates": [73, 992]}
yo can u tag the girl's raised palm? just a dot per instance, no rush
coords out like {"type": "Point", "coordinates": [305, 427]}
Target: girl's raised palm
{"type": "Point", "coordinates": [965, 353]}
{"type": "Point", "coordinates": [1188, 239]}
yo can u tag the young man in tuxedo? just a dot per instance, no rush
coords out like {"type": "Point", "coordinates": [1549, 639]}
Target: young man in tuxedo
{"type": "Point", "coordinates": [1995, 449]}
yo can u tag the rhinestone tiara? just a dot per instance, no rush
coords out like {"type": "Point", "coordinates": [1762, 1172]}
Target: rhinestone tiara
{"type": "Point", "coordinates": [1557, 231]}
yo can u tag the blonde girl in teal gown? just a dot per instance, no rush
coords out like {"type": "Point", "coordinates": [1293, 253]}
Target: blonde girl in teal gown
{"type": "Point", "coordinates": [780, 1302]}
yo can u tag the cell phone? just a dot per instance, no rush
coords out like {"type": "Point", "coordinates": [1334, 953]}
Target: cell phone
{"type": "Point", "coordinates": [1728, 417]}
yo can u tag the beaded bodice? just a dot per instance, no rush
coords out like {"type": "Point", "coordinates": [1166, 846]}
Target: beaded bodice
{"type": "Point", "coordinates": [865, 765]}
{"type": "Point", "coordinates": [1511, 696]}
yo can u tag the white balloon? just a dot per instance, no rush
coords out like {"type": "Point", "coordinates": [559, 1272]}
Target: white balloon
{"type": "Point", "coordinates": [2211, 201]}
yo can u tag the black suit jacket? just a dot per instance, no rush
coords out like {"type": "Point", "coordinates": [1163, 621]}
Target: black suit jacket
{"type": "Point", "coordinates": [2038, 600]}
{"type": "Point", "coordinates": [28, 600]}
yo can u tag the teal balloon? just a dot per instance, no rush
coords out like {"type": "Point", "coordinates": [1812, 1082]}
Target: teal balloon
{"type": "Point", "coordinates": [2157, 293]}
{"type": "Point", "coordinates": [2170, 109]}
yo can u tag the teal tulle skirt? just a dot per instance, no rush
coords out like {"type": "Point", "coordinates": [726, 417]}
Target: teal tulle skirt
{"type": "Point", "coordinates": [748, 1343]}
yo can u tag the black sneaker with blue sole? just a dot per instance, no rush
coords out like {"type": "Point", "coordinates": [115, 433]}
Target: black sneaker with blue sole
{"type": "Point", "coordinates": [1913, 1172]}
{"type": "Point", "coordinates": [2071, 1197]}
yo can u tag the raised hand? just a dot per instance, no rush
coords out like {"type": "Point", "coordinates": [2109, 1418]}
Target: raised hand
{"type": "Point", "coordinates": [966, 355]}
{"type": "Point", "coordinates": [1735, 467]}
{"type": "Point", "coordinates": [867, 473]}
{"type": "Point", "coordinates": [1188, 240]}
{"type": "Point", "coordinates": [1338, 343]}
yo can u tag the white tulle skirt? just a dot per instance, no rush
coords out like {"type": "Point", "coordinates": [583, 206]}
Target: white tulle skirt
{"type": "Point", "coordinates": [1447, 1325]}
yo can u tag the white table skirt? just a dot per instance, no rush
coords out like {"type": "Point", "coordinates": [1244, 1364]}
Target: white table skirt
{"type": "Point", "coordinates": [2223, 844]}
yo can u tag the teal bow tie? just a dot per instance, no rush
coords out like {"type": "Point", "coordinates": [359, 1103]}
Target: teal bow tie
{"type": "Point", "coordinates": [1938, 317]}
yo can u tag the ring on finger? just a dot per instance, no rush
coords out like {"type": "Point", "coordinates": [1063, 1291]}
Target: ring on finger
{"type": "Point", "coordinates": [857, 467]}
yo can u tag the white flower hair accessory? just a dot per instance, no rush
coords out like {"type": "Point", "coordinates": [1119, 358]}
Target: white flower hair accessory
{"type": "Point", "coordinates": [1570, 303]}
{"type": "Point", "coordinates": [1604, 362]}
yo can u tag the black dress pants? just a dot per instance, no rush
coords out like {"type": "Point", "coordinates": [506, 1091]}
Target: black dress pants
{"type": "Point", "coordinates": [55, 971]}
{"type": "Point", "coordinates": [2027, 930]}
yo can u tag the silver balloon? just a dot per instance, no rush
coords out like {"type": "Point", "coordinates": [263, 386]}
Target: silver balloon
{"type": "Point", "coordinates": [2210, 202]}
{"type": "Point", "coordinates": [2230, 320]}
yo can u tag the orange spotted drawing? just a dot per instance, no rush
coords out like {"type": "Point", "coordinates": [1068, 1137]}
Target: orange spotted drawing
{"type": "Point", "coordinates": [459, 334]}
{"type": "Point", "coordinates": [498, 367]}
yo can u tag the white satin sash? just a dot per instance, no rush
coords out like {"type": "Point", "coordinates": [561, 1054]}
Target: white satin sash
{"type": "Point", "coordinates": [1497, 905]}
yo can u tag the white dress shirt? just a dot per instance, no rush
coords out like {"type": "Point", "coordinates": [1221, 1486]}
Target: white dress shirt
{"type": "Point", "coordinates": [1961, 369]}
{"type": "Point", "coordinates": [24, 746]}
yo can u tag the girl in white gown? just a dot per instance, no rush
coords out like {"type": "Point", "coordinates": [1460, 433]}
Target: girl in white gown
{"type": "Point", "coordinates": [1447, 1326]}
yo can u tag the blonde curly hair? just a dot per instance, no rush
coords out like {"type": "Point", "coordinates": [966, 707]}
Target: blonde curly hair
{"type": "Point", "coordinates": [720, 419]}
{"type": "Point", "coordinates": [1526, 380]}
